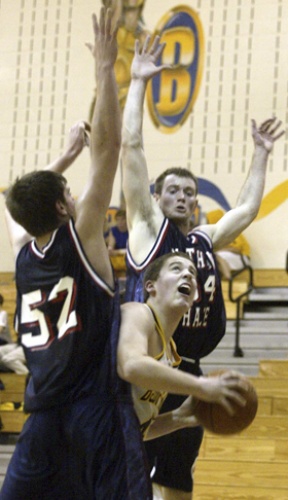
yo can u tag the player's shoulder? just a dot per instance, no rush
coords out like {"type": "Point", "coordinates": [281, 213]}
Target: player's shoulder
{"type": "Point", "coordinates": [137, 310]}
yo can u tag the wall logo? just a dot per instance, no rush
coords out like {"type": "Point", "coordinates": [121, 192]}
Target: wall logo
{"type": "Point", "coordinates": [172, 93]}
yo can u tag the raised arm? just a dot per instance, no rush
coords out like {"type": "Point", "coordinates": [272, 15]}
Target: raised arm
{"type": "Point", "coordinates": [143, 214]}
{"type": "Point", "coordinates": [249, 200]}
{"type": "Point", "coordinates": [77, 140]}
{"type": "Point", "coordinates": [104, 146]}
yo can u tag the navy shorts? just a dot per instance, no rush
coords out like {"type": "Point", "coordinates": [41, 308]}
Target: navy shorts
{"type": "Point", "coordinates": [171, 457]}
{"type": "Point", "coordinates": [86, 450]}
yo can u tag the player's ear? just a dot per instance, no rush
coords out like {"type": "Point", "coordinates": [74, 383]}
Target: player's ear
{"type": "Point", "coordinates": [61, 208]}
{"type": "Point", "coordinates": [149, 287]}
{"type": "Point", "coordinates": [156, 196]}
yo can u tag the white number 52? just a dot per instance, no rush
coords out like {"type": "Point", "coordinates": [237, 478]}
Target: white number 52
{"type": "Point", "coordinates": [31, 314]}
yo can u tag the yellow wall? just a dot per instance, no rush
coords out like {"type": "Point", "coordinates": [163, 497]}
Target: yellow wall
{"type": "Point", "coordinates": [47, 82]}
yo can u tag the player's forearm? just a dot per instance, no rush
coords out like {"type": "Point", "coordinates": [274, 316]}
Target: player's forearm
{"type": "Point", "coordinates": [149, 373]}
{"type": "Point", "coordinates": [63, 162]}
{"type": "Point", "coordinates": [106, 121]}
{"type": "Point", "coordinates": [169, 422]}
{"type": "Point", "coordinates": [252, 191]}
{"type": "Point", "coordinates": [133, 115]}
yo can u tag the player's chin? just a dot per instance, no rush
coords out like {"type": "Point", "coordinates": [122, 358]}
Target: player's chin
{"type": "Point", "coordinates": [180, 216]}
{"type": "Point", "coordinates": [186, 300]}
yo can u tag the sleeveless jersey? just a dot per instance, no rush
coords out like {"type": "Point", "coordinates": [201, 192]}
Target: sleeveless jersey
{"type": "Point", "coordinates": [68, 323]}
{"type": "Point", "coordinates": [203, 326]}
{"type": "Point", "coordinates": [147, 402]}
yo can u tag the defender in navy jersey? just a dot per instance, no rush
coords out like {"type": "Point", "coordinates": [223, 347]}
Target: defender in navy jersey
{"type": "Point", "coordinates": [160, 224]}
{"type": "Point", "coordinates": [82, 437]}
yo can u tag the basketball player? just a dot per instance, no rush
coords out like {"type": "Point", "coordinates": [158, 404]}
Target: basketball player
{"type": "Point", "coordinates": [160, 224]}
{"type": "Point", "coordinates": [82, 439]}
{"type": "Point", "coordinates": [146, 351]}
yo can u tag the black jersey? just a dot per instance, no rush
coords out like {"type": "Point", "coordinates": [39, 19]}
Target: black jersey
{"type": "Point", "coordinates": [68, 321]}
{"type": "Point", "coordinates": [203, 326]}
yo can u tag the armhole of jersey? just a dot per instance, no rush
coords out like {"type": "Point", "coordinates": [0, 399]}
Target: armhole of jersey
{"type": "Point", "coordinates": [86, 262]}
{"type": "Point", "coordinates": [150, 257]}
{"type": "Point", "coordinates": [203, 235]}
{"type": "Point", "coordinates": [177, 358]}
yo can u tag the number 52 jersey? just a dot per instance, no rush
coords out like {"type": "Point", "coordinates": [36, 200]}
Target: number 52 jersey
{"type": "Point", "coordinates": [67, 320]}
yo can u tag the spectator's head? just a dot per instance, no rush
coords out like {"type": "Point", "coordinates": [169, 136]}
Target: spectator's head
{"type": "Point", "coordinates": [121, 221]}
{"type": "Point", "coordinates": [1, 299]}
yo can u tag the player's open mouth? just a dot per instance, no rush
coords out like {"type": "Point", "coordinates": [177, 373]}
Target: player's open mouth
{"type": "Point", "coordinates": [185, 289]}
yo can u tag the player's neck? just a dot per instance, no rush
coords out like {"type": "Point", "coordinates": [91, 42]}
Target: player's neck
{"type": "Point", "coordinates": [41, 241]}
{"type": "Point", "coordinates": [167, 316]}
{"type": "Point", "coordinates": [183, 226]}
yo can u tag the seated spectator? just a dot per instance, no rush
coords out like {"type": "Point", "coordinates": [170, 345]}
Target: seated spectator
{"type": "Point", "coordinates": [5, 335]}
{"type": "Point", "coordinates": [118, 234]}
{"type": "Point", "coordinates": [117, 239]}
{"type": "Point", "coordinates": [12, 358]}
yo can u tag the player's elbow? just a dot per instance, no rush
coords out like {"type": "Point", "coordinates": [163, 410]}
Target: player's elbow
{"type": "Point", "coordinates": [127, 370]}
{"type": "Point", "coordinates": [131, 140]}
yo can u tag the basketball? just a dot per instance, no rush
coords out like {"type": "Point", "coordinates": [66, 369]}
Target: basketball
{"type": "Point", "coordinates": [215, 418]}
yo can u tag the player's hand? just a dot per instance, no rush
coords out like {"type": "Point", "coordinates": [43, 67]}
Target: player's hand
{"type": "Point", "coordinates": [78, 137]}
{"type": "Point", "coordinates": [184, 413]}
{"type": "Point", "coordinates": [105, 47]}
{"type": "Point", "coordinates": [224, 389]}
{"type": "Point", "coordinates": [265, 135]}
{"type": "Point", "coordinates": [144, 62]}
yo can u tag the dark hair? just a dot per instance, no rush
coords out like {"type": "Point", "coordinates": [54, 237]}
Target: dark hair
{"type": "Point", "coordinates": [153, 270]}
{"type": "Point", "coordinates": [179, 171]}
{"type": "Point", "coordinates": [120, 213]}
{"type": "Point", "coordinates": [1, 299]}
{"type": "Point", "coordinates": [31, 201]}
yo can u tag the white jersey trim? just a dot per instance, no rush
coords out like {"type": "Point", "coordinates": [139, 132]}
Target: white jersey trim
{"type": "Point", "coordinates": [204, 235]}
{"type": "Point", "coordinates": [87, 264]}
{"type": "Point", "coordinates": [150, 257]}
{"type": "Point", "coordinates": [41, 254]}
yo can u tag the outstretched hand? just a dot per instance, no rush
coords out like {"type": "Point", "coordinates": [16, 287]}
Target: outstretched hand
{"type": "Point", "coordinates": [144, 63]}
{"type": "Point", "coordinates": [265, 135]}
{"type": "Point", "coordinates": [78, 137]}
{"type": "Point", "coordinates": [105, 48]}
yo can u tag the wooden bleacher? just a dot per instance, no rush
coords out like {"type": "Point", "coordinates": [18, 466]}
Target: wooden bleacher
{"type": "Point", "coordinates": [252, 465]}
{"type": "Point", "coordinates": [14, 385]}
{"type": "Point", "coordinates": [261, 278]}
{"type": "Point", "coordinates": [13, 392]}
{"type": "Point", "coordinates": [231, 307]}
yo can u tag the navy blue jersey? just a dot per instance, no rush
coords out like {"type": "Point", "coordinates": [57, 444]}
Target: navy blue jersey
{"type": "Point", "coordinates": [68, 321]}
{"type": "Point", "coordinates": [203, 326]}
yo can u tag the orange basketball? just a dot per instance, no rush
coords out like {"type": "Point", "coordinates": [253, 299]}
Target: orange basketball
{"type": "Point", "coordinates": [215, 418]}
